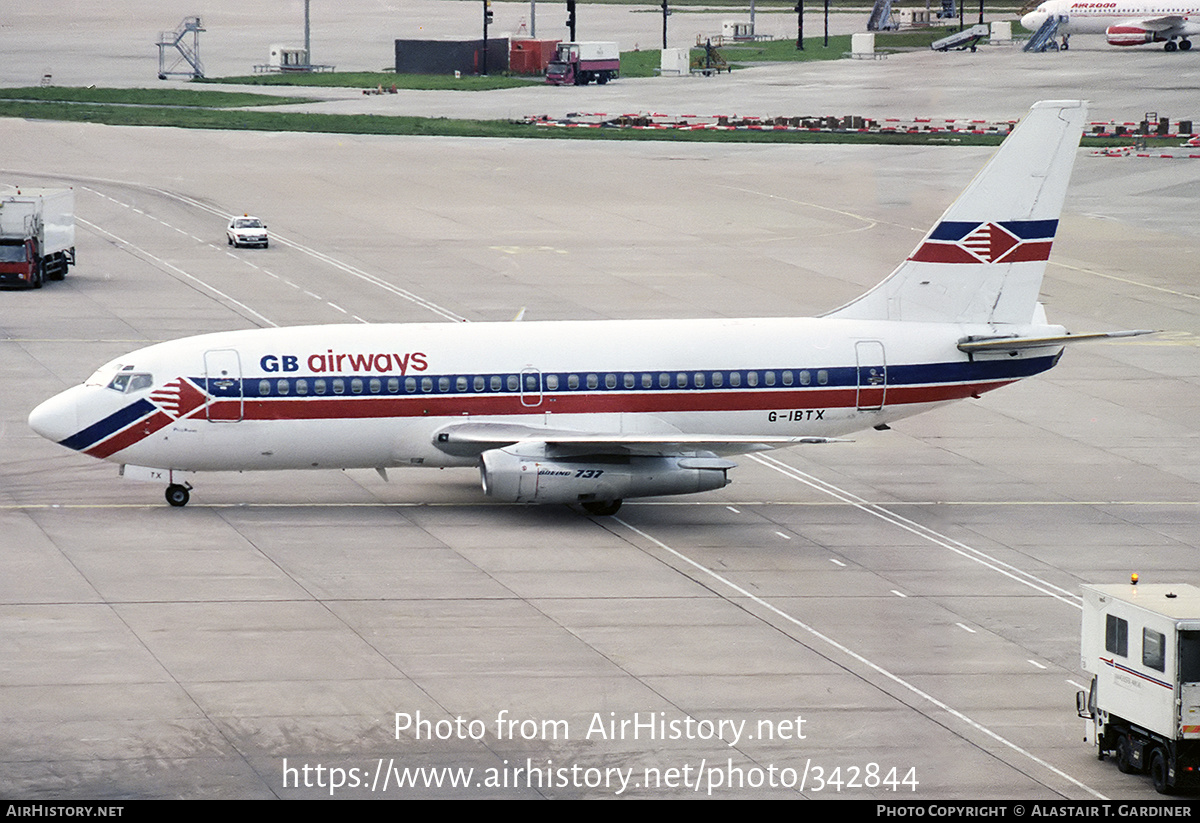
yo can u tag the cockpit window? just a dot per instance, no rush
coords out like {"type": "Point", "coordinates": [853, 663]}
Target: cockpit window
{"type": "Point", "coordinates": [129, 382]}
{"type": "Point", "coordinates": [102, 375]}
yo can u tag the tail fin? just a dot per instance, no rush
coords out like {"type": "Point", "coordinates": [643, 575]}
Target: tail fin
{"type": "Point", "coordinates": [983, 261]}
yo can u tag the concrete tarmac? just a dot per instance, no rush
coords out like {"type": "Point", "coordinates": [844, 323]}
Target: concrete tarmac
{"type": "Point", "coordinates": [894, 618]}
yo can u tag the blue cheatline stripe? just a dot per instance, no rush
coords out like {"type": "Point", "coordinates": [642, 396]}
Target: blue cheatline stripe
{"type": "Point", "coordinates": [964, 371]}
{"type": "Point", "coordinates": [109, 425]}
{"type": "Point", "coordinates": [955, 230]}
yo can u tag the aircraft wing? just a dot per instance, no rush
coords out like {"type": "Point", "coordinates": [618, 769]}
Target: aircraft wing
{"type": "Point", "coordinates": [467, 439]}
{"type": "Point", "coordinates": [1161, 25]}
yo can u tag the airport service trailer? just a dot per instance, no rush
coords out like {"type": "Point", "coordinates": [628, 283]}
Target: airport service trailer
{"type": "Point", "coordinates": [37, 235]}
{"type": "Point", "coordinates": [1141, 644]}
{"type": "Point", "coordinates": [581, 63]}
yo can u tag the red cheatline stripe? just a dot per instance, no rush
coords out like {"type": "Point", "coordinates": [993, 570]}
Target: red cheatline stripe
{"type": "Point", "coordinates": [130, 435]}
{"type": "Point", "coordinates": [375, 407]}
{"type": "Point", "coordinates": [372, 406]}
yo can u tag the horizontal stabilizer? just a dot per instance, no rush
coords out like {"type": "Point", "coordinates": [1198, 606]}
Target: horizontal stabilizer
{"type": "Point", "coordinates": [979, 344]}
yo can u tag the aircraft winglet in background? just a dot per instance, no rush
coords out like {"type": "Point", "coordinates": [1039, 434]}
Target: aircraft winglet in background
{"type": "Point", "coordinates": [593, 412]}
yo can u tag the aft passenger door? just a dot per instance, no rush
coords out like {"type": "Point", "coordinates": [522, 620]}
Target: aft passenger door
{"type": "Point", "coordinates": [872, 375]}
{"type": "Point", "coordinates": [223, 382]}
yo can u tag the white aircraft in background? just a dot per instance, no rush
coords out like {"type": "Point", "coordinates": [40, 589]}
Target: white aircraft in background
{"type": "Point", "coordinates": [594, 412]}
{"type": "Point", "coordinates": [1123, 22]}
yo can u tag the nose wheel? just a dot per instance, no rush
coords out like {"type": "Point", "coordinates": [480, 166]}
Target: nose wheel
{"type": "Point", "coordinates": [178, 495]}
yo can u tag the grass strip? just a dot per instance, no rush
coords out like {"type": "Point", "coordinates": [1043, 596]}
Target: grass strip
{"type": "Point", "coordinates": [147, 97]}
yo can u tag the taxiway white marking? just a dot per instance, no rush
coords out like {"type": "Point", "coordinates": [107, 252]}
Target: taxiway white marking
{"type": "Point", "coordinates": [875, 667]}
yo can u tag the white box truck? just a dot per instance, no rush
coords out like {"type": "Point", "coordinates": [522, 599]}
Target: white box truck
{"type": "Point", "coordinates": [37, 235]}
{"type": "Point", "coordinates": [1141, 644]}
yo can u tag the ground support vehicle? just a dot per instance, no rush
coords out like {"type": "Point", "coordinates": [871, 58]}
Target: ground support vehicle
{"type": "Point", "coordinates": [581, 63]}
{"type": "Point", "coordinates": [247, 231]}
{"type": "Point", "coordinates": [1141, 644]}
{"type": "Point", "coordinates": [37, 235]}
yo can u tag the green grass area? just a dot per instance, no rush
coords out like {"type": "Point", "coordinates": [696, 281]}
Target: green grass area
{"type": "Point", "coordinates": [147, 97]}
{"type": "Point", "coordinates": [640, 63]}
{"type": "Point", "coordinates": [268, 121]}
{"type": "Point", "coordinates": [375, 79]}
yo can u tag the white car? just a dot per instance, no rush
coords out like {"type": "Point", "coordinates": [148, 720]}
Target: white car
{"type": "Point", "coordinates": [247, 231]}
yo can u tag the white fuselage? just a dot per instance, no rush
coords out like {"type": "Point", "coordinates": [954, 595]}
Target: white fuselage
{"type": "Point", "coordinates": [375, 396]}
{"type": "Point", "coordinates": [1167, 19]}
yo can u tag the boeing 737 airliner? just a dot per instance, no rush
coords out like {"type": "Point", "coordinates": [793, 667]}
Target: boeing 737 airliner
{"type": "Point", "coordinates": [594, 412]}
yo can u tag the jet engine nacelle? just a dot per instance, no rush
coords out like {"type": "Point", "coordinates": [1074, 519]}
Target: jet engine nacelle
{"type": "Point", "coordinates": [517, 478]}
{"type": "Point", "coordinates": [1130, 36]}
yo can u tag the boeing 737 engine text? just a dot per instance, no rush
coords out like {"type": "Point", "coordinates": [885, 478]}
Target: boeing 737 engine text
{"type": "Point", "coordinates": [549, 415]}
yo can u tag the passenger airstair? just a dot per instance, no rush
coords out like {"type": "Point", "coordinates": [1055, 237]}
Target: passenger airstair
{"type": "Point", "coordinates": [1044, 39]}
{"type": "Point", "coordinates": [881, 16]}
{"type": "Point", "coordinates": [187, 54]}
{"type": "Point", "coordinates": [965, 39]}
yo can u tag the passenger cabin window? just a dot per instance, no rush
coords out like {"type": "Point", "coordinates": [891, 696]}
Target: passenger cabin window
{"type": "Point", "coordinates": [1116, 635]}
{"type": "Point", "coordinates": [1154, 650]}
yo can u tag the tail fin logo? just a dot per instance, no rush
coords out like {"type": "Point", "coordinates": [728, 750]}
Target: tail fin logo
{"type": "Point", "coordinates": [1013, 241]}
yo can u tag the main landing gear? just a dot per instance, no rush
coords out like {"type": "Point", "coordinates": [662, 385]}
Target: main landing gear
{"type": "Point", "coordinates": [178, 494]}
{"type": "Point", "coordinates": [1183, 45]}
{"type": "Point", "coordinates": [602, 508]}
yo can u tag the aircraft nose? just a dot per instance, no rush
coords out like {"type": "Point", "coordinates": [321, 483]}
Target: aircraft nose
{"type": "Point", "coordinates": [1033, 21]}
{"type": "Point", "coordinates": [57, 418]}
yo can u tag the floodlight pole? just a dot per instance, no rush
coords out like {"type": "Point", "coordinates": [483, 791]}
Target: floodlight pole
{"type": "Point", "coordinates": [487, 18]}
{"type": "Point", "coordinates": [307, 39]}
